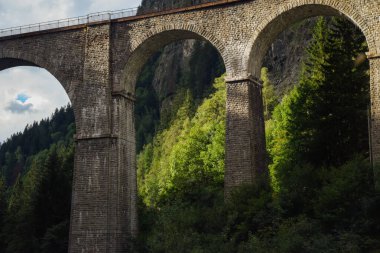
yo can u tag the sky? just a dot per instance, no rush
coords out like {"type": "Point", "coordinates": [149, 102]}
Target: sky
{"type": "Point", "coordinates": [29, 94]}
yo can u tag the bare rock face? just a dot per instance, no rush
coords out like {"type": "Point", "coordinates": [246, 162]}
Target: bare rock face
{"type": "Point", "coordinates": [174, 58]}
{"type": "Point", "coordinates": [286, 54]}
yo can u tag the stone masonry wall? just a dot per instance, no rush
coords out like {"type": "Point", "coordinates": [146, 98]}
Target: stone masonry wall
{"type": "Point", "coordinates": [62, 54]}
{"type": "Point", "coordinates": [245, 150]}
{"type": "Point", "coordinates": [375, 116]}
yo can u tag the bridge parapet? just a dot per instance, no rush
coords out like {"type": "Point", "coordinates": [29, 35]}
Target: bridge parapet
{"type": "Point", "coordinates": [61, 23]}
{"type": "Point", "coordinates": [103, 17]}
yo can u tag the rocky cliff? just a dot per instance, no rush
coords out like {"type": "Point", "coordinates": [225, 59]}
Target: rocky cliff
{"type": "Point", "coordinates": [285, 56]}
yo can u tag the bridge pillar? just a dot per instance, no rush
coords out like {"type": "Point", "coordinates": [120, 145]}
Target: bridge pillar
{"type": "Point", "coordinates": [99, 216]}
{"type": "Point", "coordinates": [245, 134]}
{"type": "Point", "coordinates": [124, 127]}
{"type": "Point", "coordinates": [375, 116]}
{"type": "Point", "coordinates": [103, 213]}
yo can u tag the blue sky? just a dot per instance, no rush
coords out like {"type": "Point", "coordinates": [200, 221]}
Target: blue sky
{"type": "Point", "coordinates": [29, 94]}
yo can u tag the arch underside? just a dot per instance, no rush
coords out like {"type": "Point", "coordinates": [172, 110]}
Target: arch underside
{"type": "Point", "coordinates": [10, 62]}
{"type": "Point", "coordinates": [150, 46]}
{"type": "Point", "coordinates": [260, 42]}
{"type": "Point", "coordinates": [6, 63]}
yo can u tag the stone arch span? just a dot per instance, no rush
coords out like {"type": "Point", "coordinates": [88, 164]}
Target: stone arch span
{"type": "Point", "coordinates": [245, 124]}
{"type": "Point", "coordinates": [277, 21]}
{"type": "Point", "coordinates": [6, 63]}
{"type": "Point", "coordinates": [11, 62]}
{"type": "Point", "coordinates": [157, 39]}
{"type": "Point", "coordinates": [280, 17]}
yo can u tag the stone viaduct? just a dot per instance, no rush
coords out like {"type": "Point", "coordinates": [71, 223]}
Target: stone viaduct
{"type": "Point", "coordinates": [98, 64]}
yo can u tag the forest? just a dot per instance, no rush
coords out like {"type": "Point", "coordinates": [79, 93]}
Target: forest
{"type": "Point", "coordinates": [320, 196]}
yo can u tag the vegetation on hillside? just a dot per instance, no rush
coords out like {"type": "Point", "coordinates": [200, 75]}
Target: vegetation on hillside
{"type": "Point", "coordinates": [154, 113]}
{"type": "Point", "coordinates": [16, 151]}
{"type": "Point", "coordinates": [322, 196]}
{"type": "Point", "coordinates": [35, 186]}
{"type": "Point", "coordinates": [190, 152]}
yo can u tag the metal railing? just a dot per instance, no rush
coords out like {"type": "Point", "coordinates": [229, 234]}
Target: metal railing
{"type": "Point", "coordinates": [93, 17]}
{"type": "Point", "coordinates": [97, 17]}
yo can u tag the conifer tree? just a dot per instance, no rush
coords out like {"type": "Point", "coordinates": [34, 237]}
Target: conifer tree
{"type": "Point", "coordinates": [322, 122]}
{"type": "Point", "coordinates": [324, 117]}
{"type": "Point", "coordinates": [3, 207]}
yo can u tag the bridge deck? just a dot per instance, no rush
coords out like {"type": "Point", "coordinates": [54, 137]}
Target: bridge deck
{"type": "Point", "coordinates": [99, 18]}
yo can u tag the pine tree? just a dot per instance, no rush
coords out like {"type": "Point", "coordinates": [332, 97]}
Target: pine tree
{"type": "Point", "coordinates": [3, 207]}
{"type": "Point", "coordinates": [324, 117]}
{"type": "Point", "coordinates": [322, 122]}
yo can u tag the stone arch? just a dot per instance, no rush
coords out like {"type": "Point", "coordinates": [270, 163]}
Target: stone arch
{"type": "Point", "coordinates": [277, 21]}
{"type": "Point", "coordinates": [15, 59]}
{"type": "Point", "coordinates": [8, 61]}
{"type": "Point", "coordinates": [152, 41]}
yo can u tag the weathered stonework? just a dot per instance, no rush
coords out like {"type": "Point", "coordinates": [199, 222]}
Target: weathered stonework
{"type": "Point", "coordinates": [375, 115]}
{"type": "Point", "coordinates": [245, 153]}
{"type": "Point", "coordinates": [98, 65]}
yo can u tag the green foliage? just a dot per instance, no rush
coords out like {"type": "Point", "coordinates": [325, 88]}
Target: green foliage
{"type": "Point", "coordinates": [345, 192]}
{"type": "Point", "coordinates": [3, 207]}
{"type": "Point", "coordinates": [40, 201]}
{"type": "Point", "coordinates": [344, 216]}
{"type": "Point", "coordinates": [147, 104]}
{"type": "Point", "coordinates": [323, 199]}
{"type": "Point", "coordinates": [254, 221]}
{"type": "Point", "coordinates": [55, 239]}
{"type": "Point", "coordinates": [35, 199]}
{"type": "Point", "coordinates": [190, 152]}
{"type": "Point", "coordinates": [16, 150]}
{"type": "Point", "coordinates": [270, 98]}
{"type": "Point", "coordinates": [322, 122]}
{"type": "Point", "coordinates": [189, 224]}
{"type": "Point", "coordinates": [250, 210]}
{"type": "Point", "coordinates": [152, 112]}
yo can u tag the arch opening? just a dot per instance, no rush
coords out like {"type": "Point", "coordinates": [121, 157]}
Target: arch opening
{"type": "Point", "coordinates": [28, 91]}
{"type": "Point", "coordinates": [318, 123]}
{"type": "Point", "coordinates": [142, 53]}
{"type": "Point", "coordinates": [319, 131]}
{"type": "Point", "coordinates": [7, 63]}
{"type": "Point", "coordinates": [171, 84]}
{"type": "Point", "coordinates": [327, 58]}
{"type": "Point", "coordinates": [278, 28]}
{"type": "Point", "coordinates": [36, 156]}
{"type": "Point", "coordinates": [261, 41]}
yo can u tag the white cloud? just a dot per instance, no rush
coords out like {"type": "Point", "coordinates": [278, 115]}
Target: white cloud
{"type": "Point", "coordinates": [19, 107]}
{"type": "Point", "coordinates": [104, 5]}
{"type": "Point", "coordinates": [23, 12]}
